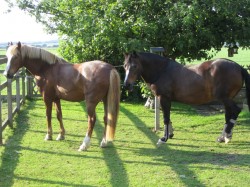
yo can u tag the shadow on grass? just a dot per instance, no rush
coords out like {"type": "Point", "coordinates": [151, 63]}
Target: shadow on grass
{"type": "Point", "coordinates": [244, 118]}
{"type": "Point", "coordinates": [111, 157]}
{"type": "Point", "coordinates": [12, 148]}
{"type": "Point", "coordinates": [180, 161]}
{"type": "Point", "coordinates": [13, 151]}
{"type": "Point", "coordinates": [49, 182]}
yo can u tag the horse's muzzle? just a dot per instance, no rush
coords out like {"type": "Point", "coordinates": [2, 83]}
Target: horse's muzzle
{"type": "Point", "coordinates": [9, 76]}
{"type": "Point", "coordinates": [128, 86]}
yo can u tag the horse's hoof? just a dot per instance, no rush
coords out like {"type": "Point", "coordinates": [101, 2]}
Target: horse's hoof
{"type": "Point", "coordinates": [103, 144]}
{"type": "Point", "coordinates": [60, 137]}
{"type": "Point", "coordinates": [227, 140]}
{"type": "Point", "coordinates": [224, 138]}
{"type": "Point", "coordinates": [160, 141]}
{"type": "Point", "coordinates": [171, 136]}
{"type": "Point", "coordinates": [48, 137]}
{"type": "Point", "coordinates": [82, 148]}
{"type": "Point", "coordinates": [221, 139]}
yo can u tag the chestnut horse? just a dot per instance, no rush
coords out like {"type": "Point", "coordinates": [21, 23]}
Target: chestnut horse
{"type": "Point", "coordinates": [219, 79]}
{"type": "Point", "coordinates": [57, 79]}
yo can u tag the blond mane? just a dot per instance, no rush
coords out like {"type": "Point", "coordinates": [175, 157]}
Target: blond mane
{"type": "Point", "coordinates": [35, 53]}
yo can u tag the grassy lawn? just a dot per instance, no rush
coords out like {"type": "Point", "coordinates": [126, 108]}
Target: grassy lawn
{"type": "Point", "coordinates": [192, 158]}
{"type": "Point", "coordinates": [241, 58]}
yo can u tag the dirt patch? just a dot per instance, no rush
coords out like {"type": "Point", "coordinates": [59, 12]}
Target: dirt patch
{"type": "Point", "coordinates": [215, 108]}
{"type": "Point", "coordinates": [208, 110]}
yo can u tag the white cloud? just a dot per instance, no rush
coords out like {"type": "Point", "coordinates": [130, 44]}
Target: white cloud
{"type": "Point", "coordinates": [18, 26]}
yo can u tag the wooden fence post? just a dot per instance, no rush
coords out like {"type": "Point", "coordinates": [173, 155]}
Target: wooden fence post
{"type": "Point", "coordinates": [9, 100]}
{"type": "Point", "coordinates": [23, 83]}
{"type": "Point", "coordinates": [1, 128]}
{"type": "Point", "coordinates": [157, 102]}
{"type": "Point", "coordinates": [18, 99]}
{"type": "Point", "coordinates": [29, 85]}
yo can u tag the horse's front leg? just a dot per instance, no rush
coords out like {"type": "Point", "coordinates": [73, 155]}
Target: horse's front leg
{"type": "Point", "coordinates": [91, 124]}
{"type": "Point", "coordinates": [168, 129]}
{"type": "Point", "coordinates": [48, 105]}
{"type": "Point", "coordinates": [61, 135]}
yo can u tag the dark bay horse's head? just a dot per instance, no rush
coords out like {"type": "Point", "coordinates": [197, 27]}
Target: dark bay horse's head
{"type": "Point", "coordinates": [14, 61]}
{"type": "Point", "coordinates": [132, 68]}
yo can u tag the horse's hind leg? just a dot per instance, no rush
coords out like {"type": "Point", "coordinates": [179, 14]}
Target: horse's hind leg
{"type": "Point", "coordinates": [61, 135]}
{"type": "Point", "coordinates": [91, 124]}
{"type": "Point", "coordinates": [231, 114]}
{"type": "Point", "coordinates": [104, 141]}
{"type": "Point", "coordinates": [170, 130]}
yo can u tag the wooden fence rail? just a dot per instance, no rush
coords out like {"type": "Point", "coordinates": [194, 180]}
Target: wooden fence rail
{"type": "Point", "coordinates": [9, 100]}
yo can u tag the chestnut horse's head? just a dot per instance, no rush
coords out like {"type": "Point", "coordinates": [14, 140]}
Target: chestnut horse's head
{"type": "Point", "coordinates": [132, 68]}
{"type": "Point", "coordinates": [14, 60]}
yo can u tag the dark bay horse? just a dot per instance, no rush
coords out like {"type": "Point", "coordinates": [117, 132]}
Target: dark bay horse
{"type": "Point", "coordinates": [57, 79]}
{"type": "Point", "coordinates": [219, 79]}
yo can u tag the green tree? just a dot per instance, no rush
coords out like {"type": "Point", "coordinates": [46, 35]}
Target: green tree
{"type": "Point", "coordinates": [105, 29]}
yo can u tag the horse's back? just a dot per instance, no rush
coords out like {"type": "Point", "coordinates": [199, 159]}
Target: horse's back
{"type": "Point", "coordinates": [75, 82]}
{"type": "Point", "coordinates": [208, 81]}
{"type": "Point", "coordinates": [97, 71]}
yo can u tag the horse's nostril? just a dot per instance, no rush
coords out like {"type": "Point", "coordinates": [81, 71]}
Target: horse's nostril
{"type": "Point", "coordinates": [7, 75]}
{"type": "Point", "coordinates": [128, 86]}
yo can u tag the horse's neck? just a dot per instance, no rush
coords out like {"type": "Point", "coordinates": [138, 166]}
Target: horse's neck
{"type": "Point", "coordinates": [36, 66]}
{"type": "Point", "coordinates": [152, 70]}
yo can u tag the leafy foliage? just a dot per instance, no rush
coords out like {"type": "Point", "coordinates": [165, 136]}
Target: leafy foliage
{"type": "Point", "coordinates": [145, 90]}
{"type": "Point", "coordinates": [104, 29]}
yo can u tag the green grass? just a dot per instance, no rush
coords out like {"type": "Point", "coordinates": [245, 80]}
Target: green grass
{"type": "Point", "coordinates": [192, 158]}
{"type": "Point", "coordinates": [241, 58]}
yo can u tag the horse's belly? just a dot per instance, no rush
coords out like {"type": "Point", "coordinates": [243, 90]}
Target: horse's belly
{"type": "Point", "coordinates": [74, 98]}
{"type": "Point", "coordinates": [70, 95]}
{"type": "Point", "coordinates": [195, 99]}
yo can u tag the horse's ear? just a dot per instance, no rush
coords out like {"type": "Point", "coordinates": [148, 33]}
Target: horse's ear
{"type": "Point", "coordinates": [125, 55]}
{"type": "Point", "coordinates": [10, 44]}
{"type": "Point", "coordinates": [19, 45]}
{"type": "Point", "coordinates": [134, 54]}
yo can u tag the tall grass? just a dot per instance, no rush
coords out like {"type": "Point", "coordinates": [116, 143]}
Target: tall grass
{"type": "Point", "coordinates": [192, 158]}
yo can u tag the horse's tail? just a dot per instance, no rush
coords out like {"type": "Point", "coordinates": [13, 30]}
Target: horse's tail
{"type": "Point", "coordinates": [246, 78]}
{"type": "Point", "coordinates": [113, 103]}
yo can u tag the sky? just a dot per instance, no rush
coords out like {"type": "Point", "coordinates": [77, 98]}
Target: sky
{"type": "Point", "coordinates": [20, 26]}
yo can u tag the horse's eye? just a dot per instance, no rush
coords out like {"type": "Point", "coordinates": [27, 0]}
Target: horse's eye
{"type": "Point", "coordinates": [133, 66]}
{"type": "Point", "coordinates": [13, 57]}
